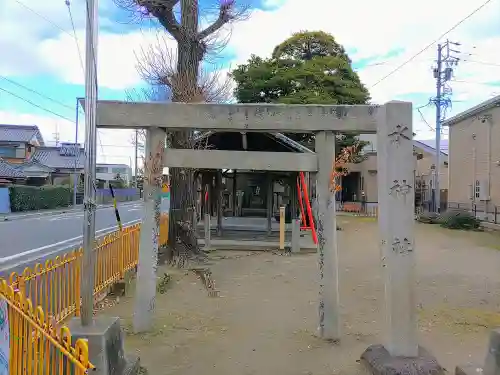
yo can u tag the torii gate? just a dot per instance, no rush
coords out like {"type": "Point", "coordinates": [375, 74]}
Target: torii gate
{"type": "Point", "coordinates": [393, 124]}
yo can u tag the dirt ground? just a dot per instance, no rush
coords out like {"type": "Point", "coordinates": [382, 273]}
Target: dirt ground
{"type": "Point", "coordinates": [264, 321]}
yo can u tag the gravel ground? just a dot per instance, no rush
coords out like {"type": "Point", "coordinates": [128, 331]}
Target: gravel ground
{"type": "Point", "coordinates": [264, 321]}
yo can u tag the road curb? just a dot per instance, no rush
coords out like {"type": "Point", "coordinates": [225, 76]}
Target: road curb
{"type": "Point", "coordinates": [53, 213]}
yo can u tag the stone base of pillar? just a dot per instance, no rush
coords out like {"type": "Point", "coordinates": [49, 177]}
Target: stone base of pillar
{"type": "Point", "coordinates": [106, 349]}
{"type": "Point", "coordinates": [378, 361]}
{"type": "Point", "coordinates": [491, 364]}
{"type": "Point", "coordinates": [469, 369]}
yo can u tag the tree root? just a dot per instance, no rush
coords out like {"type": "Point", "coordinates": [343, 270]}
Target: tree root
{"type": "Point", "coordinates": [187, 254]}
{"type": "Point", "coordinates": [205, 276]}
{"type": "Point", "coordinates": [185, 250]}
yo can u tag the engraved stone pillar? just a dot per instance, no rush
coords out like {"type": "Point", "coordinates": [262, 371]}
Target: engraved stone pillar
{"type": "Point", "coordinates": [396, 225]}
{"type": "Point", "coordinates": [396, 199]}
{"type": "Point", "coordinates": [329, 306]}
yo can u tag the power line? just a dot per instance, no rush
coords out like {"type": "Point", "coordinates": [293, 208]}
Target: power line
{"type": "Point", "coordinates": [35, 92]}
{"type": "Point", "coordinates": [424, 120]}
{"type": "Point", "coordinates": [68, 5]}
{"type": "Point", "coordinates": [474, 82]}
{"type": "Point", "coordinates": [36, 105]}
{"type": "Point", "coordinates": [43, 17]}
{"type": "Point", "coordinates": [73, 36]}
{"type": "Point", "coordinates": [432, 43]}
{"type": "Point", "coordinates": [481, 62]}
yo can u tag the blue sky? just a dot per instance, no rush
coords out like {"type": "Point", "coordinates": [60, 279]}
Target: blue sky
{"type": "Point", "coordinates": [379, 39]}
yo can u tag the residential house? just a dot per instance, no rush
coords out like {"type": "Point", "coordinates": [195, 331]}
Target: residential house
{"type": "Point", "coordinates": [363, 176]}
{"type": "Point", "coordinates": [64, 161]}
{"type": "Point", "coordinates": [425, 173]}
{"type": "Point", "coordinates": [111, 172]}
{"type": "Point", "coordinates": [17, 142]}
{"type": "Point", "coordinates": [9, 174]}
{"type": "Point", "coordinates": [474, 160]}
{"type": "Point", "coordinates": [17, 145]}
{"type": "Point", "coordinates": [26, 160]}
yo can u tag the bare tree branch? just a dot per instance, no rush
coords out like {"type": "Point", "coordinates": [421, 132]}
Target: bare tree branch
{"type": "Point", "coordinates": [157, 65]}
{"type": "Point", "coordinates": [188, 80]}
{"type": "Point", "coordinates": [162, 10]}
{"type": "Point", "coordinates": [224, 17]}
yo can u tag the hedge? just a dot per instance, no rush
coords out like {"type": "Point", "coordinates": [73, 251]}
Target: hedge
{"type": "Point", "coordinates": [31, 198]}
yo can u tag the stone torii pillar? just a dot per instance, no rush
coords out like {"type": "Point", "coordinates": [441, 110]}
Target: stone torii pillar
{"type": "Point", "coordinates": [329, 305]}
{"type": "Point", "coordinates": [393, 122]}
{"type": "Point", "coordinates": [396, 197]}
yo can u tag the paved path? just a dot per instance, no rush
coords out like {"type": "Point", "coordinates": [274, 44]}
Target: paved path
{"type": "Point", "coordinates": [34, 238]}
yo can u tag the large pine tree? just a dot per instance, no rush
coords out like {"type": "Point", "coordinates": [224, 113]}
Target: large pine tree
{"type": "Point", "coordinates": [307, 68]}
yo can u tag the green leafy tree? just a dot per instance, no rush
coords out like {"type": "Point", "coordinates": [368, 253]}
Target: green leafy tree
{"type": "Point", "coordinates": [308, 68]}
{"type": "Point", "coordinates": [119, 182]}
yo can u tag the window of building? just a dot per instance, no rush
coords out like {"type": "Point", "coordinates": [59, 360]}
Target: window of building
{"type": "Point", "coordinates": [477, 189]}
{"type": "Point", "coordinates": [101, 170]}
{"type": "Point", "coordinates": [119, 170]}
{"type": "Point", "coordinates": [7, 152]}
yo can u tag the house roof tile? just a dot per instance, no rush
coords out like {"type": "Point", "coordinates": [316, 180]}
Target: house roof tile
{"type": "Point", "coordinates": [51, 157]}
{"type": "Point", "coordinates": [20, 133]}
{"type": "Point", "coordinates": [9, 171]}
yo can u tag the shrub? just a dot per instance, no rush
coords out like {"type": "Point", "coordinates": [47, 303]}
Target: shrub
{"type": "Point", "coordinates": [429, 218]}
{"type": "Point", "coordinates": [29, 198]}
{"type": "Point", "coordinates": [461, 220]}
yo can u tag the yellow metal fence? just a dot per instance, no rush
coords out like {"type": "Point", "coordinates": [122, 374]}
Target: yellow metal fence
{"type": "Point", "coordinates": [37, 348]}
{"type": "Point", "coordinates": [54, 288]}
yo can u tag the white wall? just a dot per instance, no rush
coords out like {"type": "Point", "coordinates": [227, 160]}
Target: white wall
{"type": "Point", "coordinates": [108, 172]}
{"type": "Point", "coordinates": [372, 138]}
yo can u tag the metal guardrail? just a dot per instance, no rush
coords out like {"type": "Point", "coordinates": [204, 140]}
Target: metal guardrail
{"type": "Point", "coordinates": [35, 346]}
{"type": "Point", "coordinates": [359, 208]}
{"type": "Point", "coordinates": [54, 288]}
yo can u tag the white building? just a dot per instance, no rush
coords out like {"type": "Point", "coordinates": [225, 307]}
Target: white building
{"type": "Point", "coordinates": [111, 172]}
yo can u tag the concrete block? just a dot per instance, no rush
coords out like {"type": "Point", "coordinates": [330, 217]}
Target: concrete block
{"type": "Point", "coordinates": [469, 369]}
{"type": "Point", "coordinates": [132, 365]}
{"type": "Point", "coordinates": [296, 236]}
{"type": "Point", "coordinates": [118, 288]}
{"type": "Point", "coordinates": [127, 279]}
{"type": "Point", "coordinates": [106, 349]}
{"type": "Point", "coordinates": [378, 361]}
{"type": "Point", "coordinates": [492, 361]}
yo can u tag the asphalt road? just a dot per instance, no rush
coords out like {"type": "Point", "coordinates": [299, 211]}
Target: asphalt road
{"type": "Point", "coordinates": [25, 241]}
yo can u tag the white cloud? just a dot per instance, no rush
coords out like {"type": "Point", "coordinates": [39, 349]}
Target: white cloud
{"type": "Point", "coordinates": [117, 57]}
{"type": "Point", "coordinates": [373, 29]}
{"type": "Point", "coordinates": [48, 44]}
{"type": "Point", "coordinates": [368, 29]}
{"type": "Point", "coordinates": [23, 27]}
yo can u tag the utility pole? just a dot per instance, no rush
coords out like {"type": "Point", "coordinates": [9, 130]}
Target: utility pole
{"type": "Point", "coordinates": [442, 76]}
{"type": "Point", "coordinates": [56, 135]}
{"type": "Point", "coordinates": [135, 162]}
{"type": "Point", "coordinates": [437, 195]}
{"type": "Point", "coordinates": [77, 153]}
{"type": "Point", "coordinates": [87, 278]}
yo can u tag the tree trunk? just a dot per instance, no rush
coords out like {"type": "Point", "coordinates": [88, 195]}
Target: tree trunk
{"type": "Point", "coordinates": [182, 232]}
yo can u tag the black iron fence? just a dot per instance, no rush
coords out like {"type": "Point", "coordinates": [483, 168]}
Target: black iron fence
{"type": "Point", "coordinates": [483, 211]}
